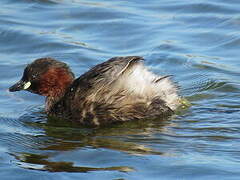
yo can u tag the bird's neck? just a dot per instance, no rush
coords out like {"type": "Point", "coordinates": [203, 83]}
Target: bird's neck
{"type": "Point", "coordinates": [50, 101]}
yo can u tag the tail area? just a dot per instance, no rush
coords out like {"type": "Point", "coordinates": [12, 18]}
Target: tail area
{"type": "Point", "coordinates": [139, 81]}
{"type": "Point", "coordinates": [158, 108]}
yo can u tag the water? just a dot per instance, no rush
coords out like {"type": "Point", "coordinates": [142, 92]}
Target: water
{"type": "Point", "coordinates": [197, 42]}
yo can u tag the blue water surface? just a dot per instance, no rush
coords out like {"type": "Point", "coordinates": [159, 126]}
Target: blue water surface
{"type": "Point", "coordinates": [197, 42]}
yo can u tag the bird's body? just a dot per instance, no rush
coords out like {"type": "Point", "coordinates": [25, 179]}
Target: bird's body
{"type": "Point", "coordinates": [120, 89]}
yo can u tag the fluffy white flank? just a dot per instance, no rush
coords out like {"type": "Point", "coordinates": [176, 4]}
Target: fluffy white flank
{"type": "Point", "coordinates": [139, 80]}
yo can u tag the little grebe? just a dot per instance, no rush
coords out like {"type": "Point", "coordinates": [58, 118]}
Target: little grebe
{"type": "Point", "coordinates": [120, 89]}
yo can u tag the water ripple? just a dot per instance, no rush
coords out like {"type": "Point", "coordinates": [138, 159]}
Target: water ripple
{"type": "Point", "coordinates": [197, 42]}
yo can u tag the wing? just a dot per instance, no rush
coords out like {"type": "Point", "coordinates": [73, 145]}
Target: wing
{"type": "Point", "coordinates": [84, 90]}
{"type": "Point", "coordinates": [105, 73]}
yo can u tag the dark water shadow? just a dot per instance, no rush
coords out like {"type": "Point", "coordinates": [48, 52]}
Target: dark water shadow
{"type": "Point", "coordinates": [41, 163]}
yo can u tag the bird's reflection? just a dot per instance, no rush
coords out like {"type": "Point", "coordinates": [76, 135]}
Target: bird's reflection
{"type": "Point", "coordinates": [61, 136]}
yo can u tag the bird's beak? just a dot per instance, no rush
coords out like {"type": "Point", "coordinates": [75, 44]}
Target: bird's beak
{"type": "Point", "coordinates": [20, 85]}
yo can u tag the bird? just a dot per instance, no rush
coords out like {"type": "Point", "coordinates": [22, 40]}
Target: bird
{"type": "Point", "coordinates": [118, 90]}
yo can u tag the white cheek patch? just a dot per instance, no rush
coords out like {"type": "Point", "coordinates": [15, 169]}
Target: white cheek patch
{"type": "Point", "coordinates": [27, 85]}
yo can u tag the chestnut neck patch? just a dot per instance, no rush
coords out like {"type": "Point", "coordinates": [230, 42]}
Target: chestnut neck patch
{"type": "Point", "coordinates": [54, 82]}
